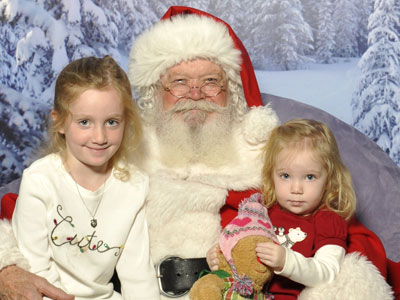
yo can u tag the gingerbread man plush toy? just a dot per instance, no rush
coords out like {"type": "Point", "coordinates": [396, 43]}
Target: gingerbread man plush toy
{"type": "Point", "coordinates": [241, 275]}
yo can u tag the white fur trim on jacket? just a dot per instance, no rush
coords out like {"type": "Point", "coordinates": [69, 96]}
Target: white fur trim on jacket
{"type": "Point", "coordinates": [181, 38]}
{"type": "Point", "coordinates": [358, 279]}
{"type": "Point", "coordinates": [9, 252]}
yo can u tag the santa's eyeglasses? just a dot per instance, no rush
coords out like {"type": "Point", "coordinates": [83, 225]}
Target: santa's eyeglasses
{"type": "Point", "coordinates": [182, 89]}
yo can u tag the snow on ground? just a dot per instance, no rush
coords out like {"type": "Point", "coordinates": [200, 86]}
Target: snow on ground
{"type": "Point", "coordinates": [327, 86]}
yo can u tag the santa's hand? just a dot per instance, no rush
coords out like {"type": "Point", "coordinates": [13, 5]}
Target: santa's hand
{"type": "Point", "coordinates": [272, 254]}
{"type": "Point", "coordinates": [212, 257]}
{"type": "Point", "coordinates": [16, 283]}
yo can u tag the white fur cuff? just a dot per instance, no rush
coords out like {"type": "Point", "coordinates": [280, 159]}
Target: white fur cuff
{"type": "Point", "coordinates": [9, 252]}
{"type": "Point", "coordinates": [358, 279]}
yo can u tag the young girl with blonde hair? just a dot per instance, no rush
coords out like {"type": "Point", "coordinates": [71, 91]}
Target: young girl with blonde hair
{"type": "Point", "coordinates": [310, 197]}
{"type": "Point", "coordinates": [80, 211]}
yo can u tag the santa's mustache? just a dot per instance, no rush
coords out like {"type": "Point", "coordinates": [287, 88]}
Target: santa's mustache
{"type": "Point", "coordinates": [203, 105]}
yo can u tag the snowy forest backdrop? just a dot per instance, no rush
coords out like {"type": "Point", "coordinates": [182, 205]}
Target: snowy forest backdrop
{"type": "Point", "coordinates": [39, 37]}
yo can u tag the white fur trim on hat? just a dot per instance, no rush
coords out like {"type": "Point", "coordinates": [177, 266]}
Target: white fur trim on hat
{"type": "Point", "coordinates": [258, 123]}
{"type": "Point", "coordinates": [182, 38]}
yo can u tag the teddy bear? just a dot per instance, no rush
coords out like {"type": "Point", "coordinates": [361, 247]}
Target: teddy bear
{"type": "Point", "coordinates": [240, 274]}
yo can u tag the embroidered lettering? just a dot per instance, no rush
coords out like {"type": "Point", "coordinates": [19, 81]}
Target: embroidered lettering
{"type": "Point", "coordinates": [87, 242]}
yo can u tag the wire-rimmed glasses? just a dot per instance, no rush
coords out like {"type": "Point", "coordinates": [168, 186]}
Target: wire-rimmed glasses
{"type": "Point", "coordinates": [181, 90]}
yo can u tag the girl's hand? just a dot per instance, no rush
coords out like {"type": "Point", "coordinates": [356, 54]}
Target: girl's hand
{"type": "Point", "coordinates": [212, 257]}
{"type": "Point", "coordinates": [272, 255]}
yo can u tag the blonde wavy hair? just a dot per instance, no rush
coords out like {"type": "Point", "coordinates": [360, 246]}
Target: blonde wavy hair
{"type": "Point", "coordinates": [102, 74]}
{"type": "Point", "coordinates": [339, 194]}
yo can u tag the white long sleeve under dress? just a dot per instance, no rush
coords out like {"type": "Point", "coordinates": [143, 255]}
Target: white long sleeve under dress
{"type": "Point", "coordinates": [53, 230]}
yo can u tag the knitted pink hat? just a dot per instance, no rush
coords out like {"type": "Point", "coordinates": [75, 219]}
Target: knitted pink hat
{"type": "Point", "coordinates": [252, 219]}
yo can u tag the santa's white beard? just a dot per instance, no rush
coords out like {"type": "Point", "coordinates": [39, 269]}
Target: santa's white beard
{"type": "Point", "coordinates": [195, 132]}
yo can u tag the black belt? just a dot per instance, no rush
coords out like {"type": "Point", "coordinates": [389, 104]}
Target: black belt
{"type": "Point", "coordinates": [176, 275]}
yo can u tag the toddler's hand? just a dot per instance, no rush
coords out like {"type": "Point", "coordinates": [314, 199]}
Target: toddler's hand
{"type": "Point", "coordinates": [272, 255]}
{"type": "Point", "coordinates": [212, 257]}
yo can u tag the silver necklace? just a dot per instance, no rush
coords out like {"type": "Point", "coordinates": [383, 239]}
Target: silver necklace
{"type": "Point", "coordinates": [93, 221]}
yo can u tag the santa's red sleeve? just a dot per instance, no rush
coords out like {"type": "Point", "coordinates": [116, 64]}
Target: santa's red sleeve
{"type": "Point", "coordinates": [7, 205]}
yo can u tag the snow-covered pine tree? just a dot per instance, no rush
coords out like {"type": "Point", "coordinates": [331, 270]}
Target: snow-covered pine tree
{"type": "Point", "coordinates": [10, 75]}
{"type": "Point", "coordinates": [21, 131]}
{"type": "Point", "coordinates": [365, 9]}
{"type": "Point", "coordinates": [345, 15]}
{"type": "Point", "coordinates": [201, 4]}
{"type": "Point", "coordinates": [231, 12]}
{"type": "Point", "coordinates": [325, 32]}
{"type": "Point", "coordinates": [376, 104]}
{"type": "Point", "coordinates": [252, 30]}
{"type": "Point", "coordinates": [161, 7]}
{"type": "Point", "coordinates": [23, 78]}
{"type": "Point", "coordinates": [310, 13]}
{"type": "Point", "coordinates": [288, 36]}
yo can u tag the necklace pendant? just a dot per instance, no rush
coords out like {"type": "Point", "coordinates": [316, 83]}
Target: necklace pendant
{"type": "Point", "coordinates": [93, 223]}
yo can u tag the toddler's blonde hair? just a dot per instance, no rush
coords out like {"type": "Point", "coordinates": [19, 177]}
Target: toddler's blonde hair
{"type": "Point", "coordinates": [339, 195]}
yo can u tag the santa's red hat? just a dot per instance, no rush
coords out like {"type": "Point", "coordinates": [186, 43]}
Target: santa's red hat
{"type": "Point", "coordinates": [186, 33]}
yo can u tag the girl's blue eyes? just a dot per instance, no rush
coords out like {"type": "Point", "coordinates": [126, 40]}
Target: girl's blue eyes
{"type": "Point", "coordinates": [112, 122]}
{"type": "Point", "coordinates": [308, 177]}
{"type": "Point", "coordinates": [84, 122]}
{"type": "Point", "coordinates": [109, 122]}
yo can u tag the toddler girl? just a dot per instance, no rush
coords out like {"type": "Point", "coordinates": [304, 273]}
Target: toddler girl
{"type": "Point", "coordinates": [309, 195]}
